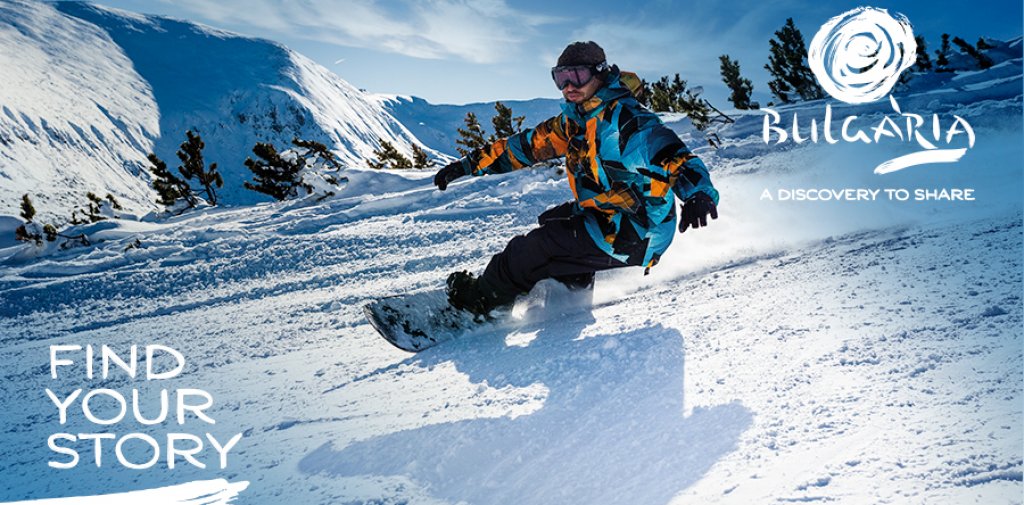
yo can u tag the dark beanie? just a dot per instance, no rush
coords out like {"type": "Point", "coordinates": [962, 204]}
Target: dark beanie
{"type": "Point", "coordinates": [581, 53]}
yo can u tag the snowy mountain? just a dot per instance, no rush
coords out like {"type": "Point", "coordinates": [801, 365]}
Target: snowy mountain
{"type": "Point", "coordinates": [89, 91]}
{"type": "Point", "coordinates": [437, 125]}
{"type": "Point", "coordinates": [75, 115]}
{"type": "Point", "coordinates": [865, 351]}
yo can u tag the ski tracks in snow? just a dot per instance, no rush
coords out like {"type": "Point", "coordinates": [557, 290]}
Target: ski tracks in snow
{"type": "Point", "coordinates": [876, 366]}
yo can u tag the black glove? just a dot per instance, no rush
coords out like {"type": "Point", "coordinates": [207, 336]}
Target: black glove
{"type": "Point", "coordinates": [448, 174]}
{"type": "Point", "coordinates": [695, 210]}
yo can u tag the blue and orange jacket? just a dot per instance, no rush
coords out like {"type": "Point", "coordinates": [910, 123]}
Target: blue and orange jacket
{"type": "Point", "coordinates": [621, 162]}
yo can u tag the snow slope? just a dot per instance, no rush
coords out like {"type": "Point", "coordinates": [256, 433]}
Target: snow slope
{"type": "Point", "coordinates": [75, 116]}
{"type": "Point", "coordinates": [847, 352]}
{"type": "Point", "coordinates": [89, 91]}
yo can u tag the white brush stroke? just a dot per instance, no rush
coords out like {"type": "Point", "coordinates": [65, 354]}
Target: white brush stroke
{"type": "Point", "coordinates": [858, 56]}
{"type": "Point", "coordinates": [200, 492]}
{"type": "Point", "coordinates": [921, 158]}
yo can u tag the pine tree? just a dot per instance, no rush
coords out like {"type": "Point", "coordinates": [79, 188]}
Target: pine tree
{"type": "Point", "coordinates": [311, 151]}
{"type": "Point", "coordinates": [983, 44]}
{"type": "Point", "coordinates": [281, 175]}
{"type": "Point", "coordinates": [675, 96]}
{"type": "Point", "coordinates": [923, 63]}
{"type": "Point", "coordinates": [942, 55]}
{"type": "Point", "coordinates": [787, 63]}
{"type": "Point", "coordinates": [318, 150]}
{"type": "Point", "coordinates": [679, 93]}
{"type": "Point", "coordinates": [695, 107]}
{"type": "Point", "coordinates": [274, 175]}
{"type": "Point", "coordinates": [697, 110]}
{"type": "Point", "coordinates": [740, 87]}
{"type": "Point", "coordinates": [389, 157]}
{"type": "Point", "coordinates": [169, 187]}
{"type": "Point", "coordinates": [22, 233]}
{"type": "Point", "coordinates": [28, 211]}
{"type": "Point", "coordinates": [35, 232]}
{"type": "Point", "coordinates": [983, 60]}
{"type": "Point", "coordinates": [644, 96]}
{"type": "Point", "coordinates": [504, 124]}
{"type": "Point", "coordinates": [92, 208]}
{"type": "Point", "coordinates": [50, 231]}
{"type": "Point", "coordinates": [96, 209]}
{"type": "Point", "coordinates": [113, 202]}
{"type": "Point", "coordinates": [420, 159]}
{"type": "Point", "coordinates": [193, 166]}
{"type": "Point", "coordinates": [471, 137]}
{"type": "Point", "coordinates": [663, 96]}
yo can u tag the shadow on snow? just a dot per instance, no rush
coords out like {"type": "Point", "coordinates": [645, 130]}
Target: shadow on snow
{"type": "Point", "coordinates": [611, 429]}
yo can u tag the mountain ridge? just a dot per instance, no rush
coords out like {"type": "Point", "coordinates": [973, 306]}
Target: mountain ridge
{"type": "Point", "coordinates": [116, 85]}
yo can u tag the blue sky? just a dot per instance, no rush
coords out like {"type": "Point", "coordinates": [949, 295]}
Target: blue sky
{"type": "Point", "coordinates": [462, 51]}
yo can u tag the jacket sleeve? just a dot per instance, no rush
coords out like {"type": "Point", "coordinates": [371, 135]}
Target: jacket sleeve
{"type": "Point", "coordinates": [546, 141]}
{"type": "Point", "coordinates": [674, 167]}
{"type": "Point", "coordinates": [657, 161]}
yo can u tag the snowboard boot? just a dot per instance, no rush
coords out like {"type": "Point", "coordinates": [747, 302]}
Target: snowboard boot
{"type": "Point", "coordinates": [466, 292]}
{"type": "Point", "coordinates": [578, 282]}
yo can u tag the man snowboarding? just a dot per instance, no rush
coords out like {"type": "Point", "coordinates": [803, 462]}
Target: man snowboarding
{"type": "Point", "coordinates": [621, 162]}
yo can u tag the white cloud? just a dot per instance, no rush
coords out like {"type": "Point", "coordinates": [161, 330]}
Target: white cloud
{"type": "Point", "coordinates": [478, 31]}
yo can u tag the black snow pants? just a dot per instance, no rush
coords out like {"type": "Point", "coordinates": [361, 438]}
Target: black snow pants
{"type": "Point", "coordinates": [560, 249]}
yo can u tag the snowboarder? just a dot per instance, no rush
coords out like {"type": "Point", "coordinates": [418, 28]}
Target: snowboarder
{"type": "Point", "coordinates": [621, 162]}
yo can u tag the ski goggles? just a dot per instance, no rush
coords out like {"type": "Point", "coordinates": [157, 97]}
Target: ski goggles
{"type": "Point", "coordinates": [577, 75]}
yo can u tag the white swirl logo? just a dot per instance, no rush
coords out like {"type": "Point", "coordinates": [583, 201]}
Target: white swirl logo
{"type": "Point", "coordinates": [859, 55]}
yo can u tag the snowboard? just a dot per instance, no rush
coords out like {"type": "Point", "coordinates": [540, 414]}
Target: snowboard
{"type": "Point", "coordinates": [419, 321]}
